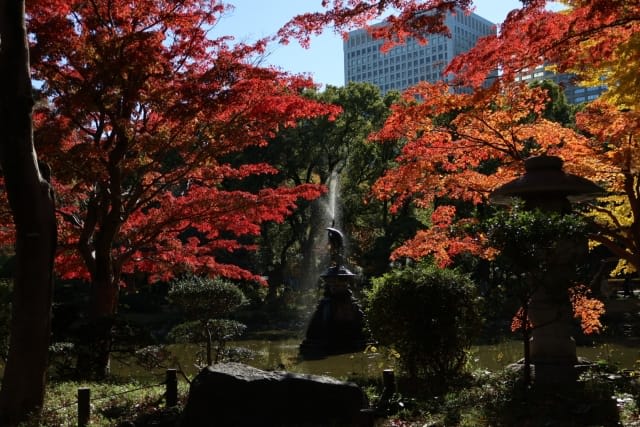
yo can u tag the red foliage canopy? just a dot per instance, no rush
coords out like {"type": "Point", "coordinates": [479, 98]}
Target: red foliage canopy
{"type": "Point", "coordinates": [414, 18]}
{"type": "Point", "coordinates": [141, 109]}
{"type": "Point", "coordinates": [585, 36]}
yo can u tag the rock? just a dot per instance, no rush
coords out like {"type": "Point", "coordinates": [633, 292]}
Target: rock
{"type": "Point", "coordinates": [233, 394]}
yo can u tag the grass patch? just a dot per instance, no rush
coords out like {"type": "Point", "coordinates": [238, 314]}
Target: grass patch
{"type": "Point", "coordinates": [112, 403]}
{"type": "Point", "coordinates": [601, 397]}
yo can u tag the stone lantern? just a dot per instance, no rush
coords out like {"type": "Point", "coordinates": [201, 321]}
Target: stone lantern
{"type": "Point", "coordinates": [337, 325]}
{"type": "Point", "coordinates": [547, 187]}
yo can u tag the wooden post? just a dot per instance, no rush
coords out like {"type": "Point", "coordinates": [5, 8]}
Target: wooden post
{"type": "Point", "coordinates": [389, 389]}
{"type": "Point", "coordinates": [84, 406]}
{"type": "Point", "coordinates": [389, 380]}
{"type": "Point", "coordinates": [172, 387]}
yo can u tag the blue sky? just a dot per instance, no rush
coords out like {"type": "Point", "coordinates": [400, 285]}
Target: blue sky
{"type": "Point", "coordinates": [253, 19]}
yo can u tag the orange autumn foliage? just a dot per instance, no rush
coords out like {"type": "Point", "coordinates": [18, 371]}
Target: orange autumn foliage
{"type": "Point", "coordinates": [445, 159]}
{"type": "Point", "coordinates": [588, 310]}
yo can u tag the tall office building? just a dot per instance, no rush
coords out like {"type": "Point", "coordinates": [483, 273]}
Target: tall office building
{"type": "Point", "coordinates": [575, 94]}
{"type": "Point", "coordinates": [406, 65]}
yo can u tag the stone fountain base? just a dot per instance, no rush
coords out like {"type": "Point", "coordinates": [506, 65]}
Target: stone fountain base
{"type": "Point", "coordinates": [337, 325]}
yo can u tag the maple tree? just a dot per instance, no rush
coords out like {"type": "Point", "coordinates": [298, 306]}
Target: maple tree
{"type": "Point", "coordinates": [31, 202]}
{"type": "Point", "coordinates": [141, 107]}
{"type": "Point", "coordinates": [594, 38]}
{"type": "Point", "coordinates": [459, 147]}
{"type": "Point", "coordinates": [598, 41]}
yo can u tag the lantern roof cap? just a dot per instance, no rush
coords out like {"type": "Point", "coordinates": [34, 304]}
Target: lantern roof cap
{"type": "Point", "coordinates": [544, 177]}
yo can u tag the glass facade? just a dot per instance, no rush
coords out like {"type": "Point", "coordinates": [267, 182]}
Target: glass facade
{"type": "Point", "coordinates": [408, 64]}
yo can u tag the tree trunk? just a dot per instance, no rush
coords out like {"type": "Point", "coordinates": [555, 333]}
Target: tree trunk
{"type": "Point", "coordinates": [32, 205]}
{"type": "Point", "coordinates": [526, 340]}
{"type": "Point", "coordinates": [95, 342]}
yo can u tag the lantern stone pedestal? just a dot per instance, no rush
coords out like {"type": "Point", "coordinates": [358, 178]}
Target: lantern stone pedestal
{"type": "Point", "coordinates": [552, 346]}
{"type": "Point", "coordinates": [552, 341]}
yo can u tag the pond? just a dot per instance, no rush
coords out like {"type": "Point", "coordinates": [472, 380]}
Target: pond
{"type": "Point", "coordinates": [282, 354]}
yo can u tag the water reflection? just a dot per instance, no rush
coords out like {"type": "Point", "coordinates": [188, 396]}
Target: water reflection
{"type": "Point", "coordinates": [282, 354]}
{"type": "Point", "coordinates": [497, 356]}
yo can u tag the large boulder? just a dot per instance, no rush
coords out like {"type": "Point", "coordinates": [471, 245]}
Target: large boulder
{"type": "Point", "coordinates": [233, 394]}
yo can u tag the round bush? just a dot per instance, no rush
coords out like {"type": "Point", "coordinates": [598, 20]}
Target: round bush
{"type": "Point", "coordinates": [429, 315]}
{"type": "Point", "coordinates": [206, 298]}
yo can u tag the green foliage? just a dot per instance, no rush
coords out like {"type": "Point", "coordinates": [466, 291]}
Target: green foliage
{"type": "Point", "coordinates": [62, 360]}
{"type": "Point", "coordinates": [206, 301]}
{"type": "Point", "coordinates": [429, 315]}
{"type": "Point", "coordinates": [518, 229]}
{"type": "Point", "coordinates": [204, 298]}
{"type": "Point", "coordinates": [530, 244]}
{"type": "Point", "coordinates": [501, 399]}
{"type": "Point", "coordinates": [216, 332]}
{"type": "Point", "coordinates": [154, 356]}
{"type": "Point", "coordinates": [112, 403]}
{"type": "Point", "coordinates": [220, 329]}
{"type": "Point", "coordinates": [310, 153]}
{"type": "Point", "coordinates": [558, 108]}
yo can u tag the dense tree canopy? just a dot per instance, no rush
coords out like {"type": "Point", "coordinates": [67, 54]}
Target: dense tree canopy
{"type": "Point", "coordinates": [337, 153]}
{"type": "Point", "coordinates": [460, 147]}
{"type": "Point", "coordinates": [139, 108]}
{"type": "Point", "coordinates": [143, 118]}
{"type": "Point", "coordinates": [616, 136]}
{"type": "Point", "coordinates": [595, 39]}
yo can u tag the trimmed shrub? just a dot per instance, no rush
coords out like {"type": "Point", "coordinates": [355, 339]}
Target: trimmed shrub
{"type": "Point", "coordinates": [206, 298]}
{"type": "Point", "coordinates": [429, 315]}
{"type": "Point", "coordinates": [206, 302]}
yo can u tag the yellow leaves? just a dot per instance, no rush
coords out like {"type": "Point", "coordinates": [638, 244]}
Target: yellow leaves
{"type": "Point", "coordinates": [617, 68]}
{"type": "Point", "coordinates": [615, 212]}
{"type": "Point", "coordinates": [623, 267]}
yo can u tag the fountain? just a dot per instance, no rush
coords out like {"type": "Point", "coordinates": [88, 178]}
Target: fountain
{"type": "Point", "coordinates": [337, 325]}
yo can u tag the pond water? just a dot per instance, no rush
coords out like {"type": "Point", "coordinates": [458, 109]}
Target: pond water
{"type": "Point", "coordinates": [282, 354]}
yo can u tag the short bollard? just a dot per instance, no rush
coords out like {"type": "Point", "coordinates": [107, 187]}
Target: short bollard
{"type": "Point", "coordinates": [84, 406]}
{"type": "Point", "coordinates": [389, 380]}
{"type": "Point", "coordinates": [172, 387]}
{"type": "Point", "coordinates": [389, 389]}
